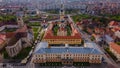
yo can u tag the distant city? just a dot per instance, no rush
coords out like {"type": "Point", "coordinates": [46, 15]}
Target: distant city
{"type": "Point", "coordinates": [89, 6]}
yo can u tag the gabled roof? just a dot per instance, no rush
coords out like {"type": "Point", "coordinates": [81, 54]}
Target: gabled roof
{"type": "Point", "coordinates": [49, 34]}
{"type": "Point", "coordinates": [23, 29]}
{"type": "Point", "coordinates": [113, 23]}
{"type": "Point", "coordinates": [115, 47]}
{"type": "Point", "coordinates": [10, 34]}
{"type": "Point", "coordinates": [2, 38]}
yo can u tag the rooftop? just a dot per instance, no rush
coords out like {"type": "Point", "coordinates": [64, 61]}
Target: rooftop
{"type": "Point", "coordinates": [40, 49]}
{"type": "Point", "coordinates": [15, 36]}
{"type": "Point", "coordinates": [108, 39]}
{"type": "Point", "coordinates": [92, 45]}
{"type": "Point", "coordinates": [49, 34]}
{"type": "Point", "coordinates": [2, 38]}
{"type": "Point", "coordinates": [115, 47]}
{"type": "Point", "coordinates": [113, 23]}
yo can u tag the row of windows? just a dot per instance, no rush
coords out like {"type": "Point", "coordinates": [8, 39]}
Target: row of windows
{"type": "Point", "coordinates": [68, 55]}
{"type": "Point", "coordinates": [96, 56]}
{"type": "Point", "coordinates": [83, 58]}
{"type": "Point", "coordinates": [64, 40]}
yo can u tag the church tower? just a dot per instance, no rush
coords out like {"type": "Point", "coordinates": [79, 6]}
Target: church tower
{"type": "Point", "coordinates": [62, 11]}
{"type": "Point", "coordinates": [20, 22]}
{"type": "Point", "coordinates": [62, 31]}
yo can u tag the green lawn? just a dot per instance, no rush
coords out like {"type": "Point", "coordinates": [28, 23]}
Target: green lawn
{"type": "Point", "coordinates": [23, 53]}
{"type": "Point", "coordinates": [113, 17]}
{"type": "Point", "coordinates": [55, 29]}
{"type": "Point", "coordinates": [6, 56]}
{"type": "Point", "coordinates": [42, 35]}
{"type": "Point", "coordinates": [118, 43]}
{"type": "Point", "coordinates": [35, 35]}
{"type": "Point", "coordinates": [70, 11]}
{"type": "Point", "coordinates": [56, 11]}
{"type": "Point", "coordinates": [10, 30]}
{"type": "Point", "coordinates": [68, 30]}
{"type": "Point", "coordinates": [7, 18]}
{"type": "Point", "coordinates": [34, 24]}
{"type": "Point", "coordinates": [79, 17]}
{"type": "Point", "coordinates": [35, 29]}
{"type": "Point", "coordinates": [92, 38]}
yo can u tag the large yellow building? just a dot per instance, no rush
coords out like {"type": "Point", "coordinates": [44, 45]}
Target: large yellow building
{"type": "Point", "coordinates": [49, 37]}
{"type": "Point", "coordinates": [65, 55]}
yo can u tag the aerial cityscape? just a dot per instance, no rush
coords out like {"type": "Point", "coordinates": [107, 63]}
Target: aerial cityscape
{"type": "Point", "coordinates": [59, 33]}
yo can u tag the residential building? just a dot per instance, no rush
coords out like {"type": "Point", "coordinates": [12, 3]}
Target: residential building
{"type": "Point", "coordinates": [113, 24]}
{"type": "Point", "coordinates": [115, 49]}
{"type": "Point", "coordinates": [75, 38]}
{"type": "Point", "coordinates": [23, 38]}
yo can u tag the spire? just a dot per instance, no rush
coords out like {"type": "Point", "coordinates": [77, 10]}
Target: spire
{"type": "Point", "coordinates": [62, 12]}
{"type": "Point", "coordinates": [20, 21]}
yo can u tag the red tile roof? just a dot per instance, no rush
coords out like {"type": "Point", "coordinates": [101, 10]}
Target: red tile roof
{"type": "Point", "coordinates": [10, 34]}
{"type": "Point", "coordinates": [2, 38]}
{"type": "Point", "coordinates": [113, 23]}
{"type": "Point", "coordinates": [49, 34]}
{"type": "Point", "coordinates": [115, 47]}
{"type": "Point", "coordinates": [23, 29]}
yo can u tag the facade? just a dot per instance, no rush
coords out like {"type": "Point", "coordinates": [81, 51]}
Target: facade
{"type": "Point", "coordinates": [10, 25]}
{"type": "Point", "coordinates": [115, 49]}
{"type": "Point", "coordinates": [63, 32]}
{"type": "Point", "coordinates": [62, 38]}
{"type": "Point", "coordinates": [51, 39]}
{"type": "Point", "coordinates": [23, 38]}
{"type": "Point", "coordinates": [65, 55]}
{"type": "Point", "coordinates": [15, 49]}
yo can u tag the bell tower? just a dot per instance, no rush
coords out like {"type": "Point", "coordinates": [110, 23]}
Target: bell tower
{"type": "Point", "coordinates": [20, 21]}
{"type": "Point", "coordinates": [62, 11]}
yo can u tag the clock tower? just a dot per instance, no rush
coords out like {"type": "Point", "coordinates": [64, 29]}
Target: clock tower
{"type": "Point", "coordinates": [62, 11]}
